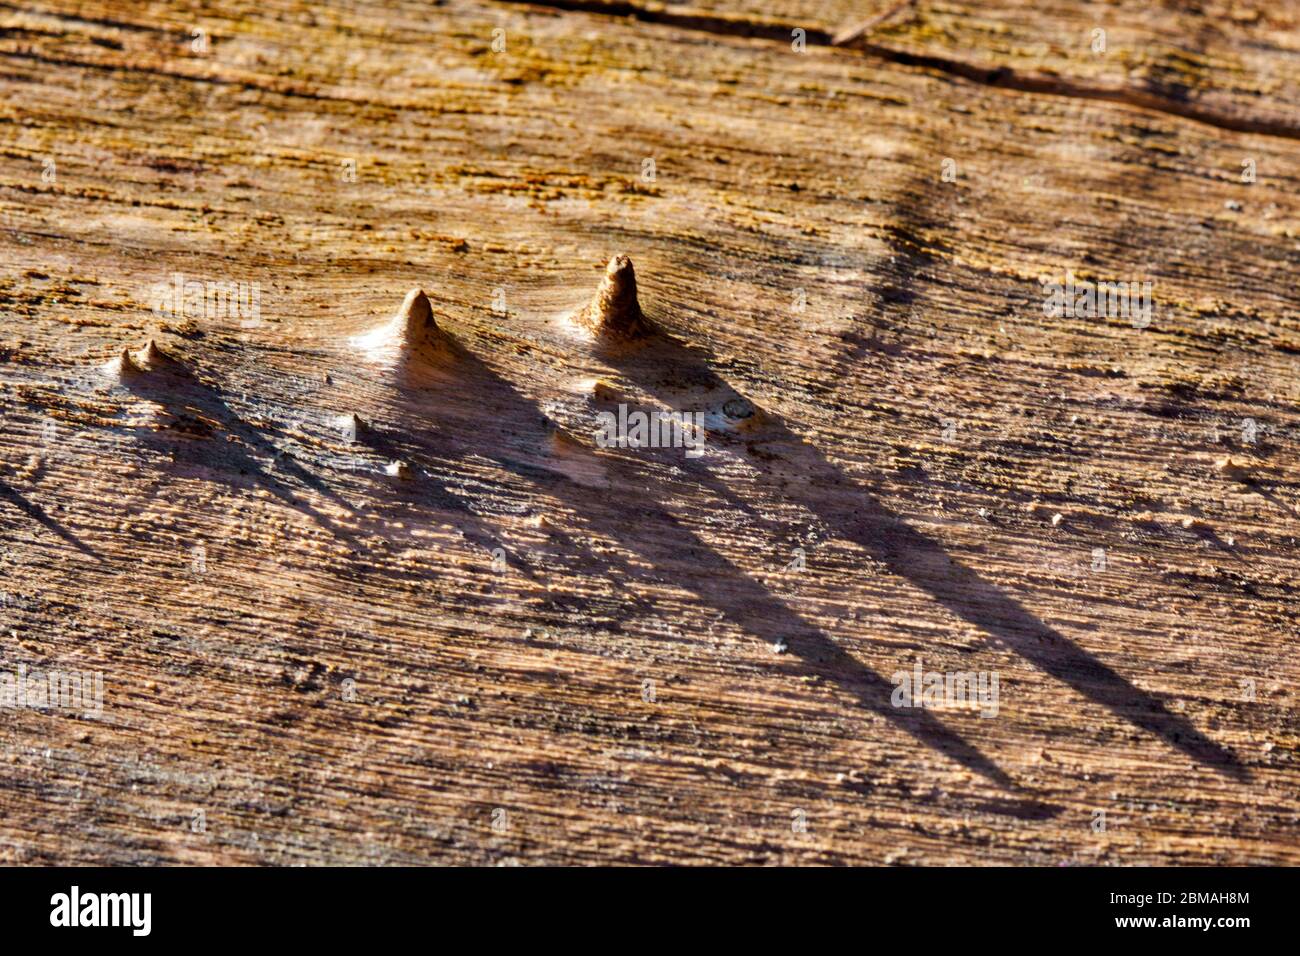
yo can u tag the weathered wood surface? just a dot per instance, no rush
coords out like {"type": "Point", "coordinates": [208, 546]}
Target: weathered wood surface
{"type": "Point", "coordinates": [352, 675]}
{"type": "Point", "coordinates": [1226, 63]}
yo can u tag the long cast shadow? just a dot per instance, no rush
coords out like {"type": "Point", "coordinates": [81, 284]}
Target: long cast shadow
{"type": "Point", "coordinates": [184, 397]}
{"type": "Point", "coordinates": [465, 393]}
{"type": "Point", "coordinates": [679, 378]}
{"type": "Point", "coordinates": [41, 517]}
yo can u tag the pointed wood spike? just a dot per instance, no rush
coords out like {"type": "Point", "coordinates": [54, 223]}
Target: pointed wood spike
{"type": "Point", "coordinates": [353, 426]}
{"type": "Point", "coordinates": [410, 331]}
{"type": "Point", "coordinates": [152, 355]}
{"type": "Point", "coordinates": [414, 320]}
{"type": "Point", "coordinates": [123, 365]}
{"type": "Point", "coordinates": [614, 309]}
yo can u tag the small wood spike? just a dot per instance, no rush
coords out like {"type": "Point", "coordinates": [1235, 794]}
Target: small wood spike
{"type": "Point", "coordinates": [1232, 468]}
{"type": "Point", "coordinates": [614, 309]}
{"type": "Point", "coordinates": [352, 426]}
{"type": "Point", "coordinates": [152, 356]}
{"type": "Point", "coordinates": [123, 366]}
{"type": "Point", "coordinates": [414, 320]}
{"type": "Point", "coordinates": [410, 331]}
{"type": "Point", "coordinates": [126, 363]}
{"type": "Point", "coordinates": [129, 364]}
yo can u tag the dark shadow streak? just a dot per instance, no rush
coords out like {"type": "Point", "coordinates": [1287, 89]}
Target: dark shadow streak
{"type": "Point", "coordinates": [425, 453]}
{"type": "Point", "coordinates": [648, 528]}
{"type": "Point", "coordinates": [662, 363]}
{"type": "Point", "coordinates": [38, 514]}
{"type": "Point", "coordinates": [181, 394]}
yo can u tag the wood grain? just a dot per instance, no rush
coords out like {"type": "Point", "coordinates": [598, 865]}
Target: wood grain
{"type": "Point", "coordinates": [537, 650]}
{"type": "Point", "coordinates": [1230, 64]}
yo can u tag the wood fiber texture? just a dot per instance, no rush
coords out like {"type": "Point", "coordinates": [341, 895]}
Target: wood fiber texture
{"type": "Point", "coordinates": [469, 634]}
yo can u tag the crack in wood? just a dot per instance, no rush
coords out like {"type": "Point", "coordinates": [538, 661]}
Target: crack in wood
{"type": "Point", "coordinates": [1000, 77]}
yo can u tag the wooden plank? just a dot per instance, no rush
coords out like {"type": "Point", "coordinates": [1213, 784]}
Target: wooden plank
{"type": "Point", "coordinates": [324, 662]}
{"type": "Point", "coordinates": [1233, 65]}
